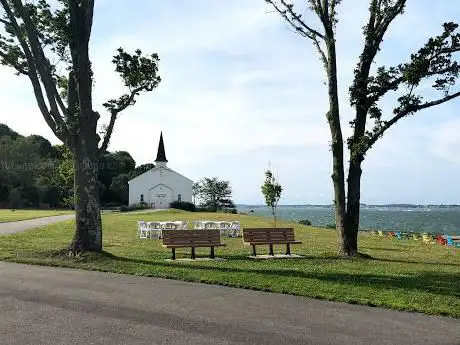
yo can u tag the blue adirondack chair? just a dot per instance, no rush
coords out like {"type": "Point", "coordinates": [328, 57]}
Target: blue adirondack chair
{"type": "Point", "coordinates": [451, 242]}
{"type": "Point", "coordinates": [399, 235]}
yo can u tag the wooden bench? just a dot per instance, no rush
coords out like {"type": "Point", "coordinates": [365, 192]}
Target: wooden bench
{"type": "Point", "coordinates": [191, 238]}
{"type": "Point", "coordinates": [269, 236]}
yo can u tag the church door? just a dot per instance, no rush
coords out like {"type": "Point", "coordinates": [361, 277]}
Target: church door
{"type": "Point", "coordinates": [161, 197]}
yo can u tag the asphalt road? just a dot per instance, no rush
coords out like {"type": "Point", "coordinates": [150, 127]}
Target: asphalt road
{"type": "Point", "coordinates": [41, 305]}
{"type": "Point", "coordinates": [23, 225]}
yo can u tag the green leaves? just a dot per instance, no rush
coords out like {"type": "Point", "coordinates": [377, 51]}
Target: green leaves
{"type": "Point", "coordinates": [137, 70]}
{"type": "Point", "coordinates": [139, 73]}
{"type": "Point", "coordinates": [434, 63]}
{"type": "Point", "coordinates": [213, 193]}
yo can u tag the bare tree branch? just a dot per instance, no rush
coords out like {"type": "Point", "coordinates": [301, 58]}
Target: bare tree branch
{"type": "Point", "coordinates": [294, 19]}
{"type": "Point", "coordinates": [113, 116]}
{"type": "Point", "coordinates": [42, 65]}
{"type": "Point", "coordinates": [410, 109]}
{"type": "Point", "coordinates": [33, 75]}
{"type": "Point", "coordinates": [322, 54]}
{"type": "Point", "coordinates": [392, 13]}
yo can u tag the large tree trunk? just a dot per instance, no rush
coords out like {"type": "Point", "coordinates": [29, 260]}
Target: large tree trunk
{"type": "Point", "coordinates": [88, 231]}
{"type": "Point", "coordinates": [84, 142]}
{"type": "Point", "coordinates": [333, 117]}
{"type": "Point", "coordinates": [350, 245]}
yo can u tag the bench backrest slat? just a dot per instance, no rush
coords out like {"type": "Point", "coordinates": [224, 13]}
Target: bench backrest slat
{"type": "Point", "coordinates": [263, 235]}
{"type": "Point", "coordinates": [186, 237]}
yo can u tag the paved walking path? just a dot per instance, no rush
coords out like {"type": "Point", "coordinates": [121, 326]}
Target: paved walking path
{"type": "Point", "coordinates": [23, 225]}
{"type": "Point", "coordinates": [42, 305]}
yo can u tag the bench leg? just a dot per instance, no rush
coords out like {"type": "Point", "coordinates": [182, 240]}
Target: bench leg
{"type": "Point", "coordinates": [173, 253]}
{"type": "Point", "coordinates": [193, 252]}
{"type": "Point", "coordinates": [254, 250]}
{"type": "Point", "coordinates": [212, 252]}
{"type": "Point", "coordinates": [288, 249]}
{"type": "Point", "coordinates": [271, 250]}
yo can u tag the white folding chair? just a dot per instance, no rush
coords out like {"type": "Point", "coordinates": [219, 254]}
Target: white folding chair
{"type": "Point", "coordinates": [169, 226]}
{"type": "Point", "coordinates": [235, 229]}
{"type": "Point", "coordinates": [225, 228]}
{"type": "Point", "coordinates": [155, 229]}
{"type": "Point", "coordinates": [198, 224]}
{"type": "Point", "coordinates": [210, 225]}
{"type": "Point", "coordinates": [180, 224]}
{"type": "Point", "coordinates": [139, 227]}
{"type": "Point", "coordinates": [143, 229]}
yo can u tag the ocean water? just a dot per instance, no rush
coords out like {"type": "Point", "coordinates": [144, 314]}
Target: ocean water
{"type": "Point", "coordinates": [437, 220]}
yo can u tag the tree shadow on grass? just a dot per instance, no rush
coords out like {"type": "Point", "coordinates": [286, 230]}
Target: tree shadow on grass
{"type": "Point", "coordinates": [384, 249]}
{"type": "Point", "coordinates": [439, 283]}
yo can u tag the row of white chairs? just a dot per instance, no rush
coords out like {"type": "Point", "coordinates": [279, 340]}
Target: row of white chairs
{"type": "Point", "coordinates": [227, 229]}
{"type": "Point", "coordinates": [154, 229]}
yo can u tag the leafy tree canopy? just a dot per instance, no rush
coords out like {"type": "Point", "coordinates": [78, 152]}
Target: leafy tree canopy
{"type": "Point", "coordinates": [214, 194]}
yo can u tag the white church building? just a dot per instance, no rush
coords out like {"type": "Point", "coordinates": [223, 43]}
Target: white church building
{"type": "Point", "coordinates": [161, 185]}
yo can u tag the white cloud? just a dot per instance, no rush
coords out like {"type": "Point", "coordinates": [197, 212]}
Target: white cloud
{"type": "Point", "coordinates": [445, 140]}
{"type": "Point", "coordinates": [240, 89]}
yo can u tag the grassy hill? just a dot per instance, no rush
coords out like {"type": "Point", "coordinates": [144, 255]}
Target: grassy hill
{"type": "Point", "coordinates": [401, 274]}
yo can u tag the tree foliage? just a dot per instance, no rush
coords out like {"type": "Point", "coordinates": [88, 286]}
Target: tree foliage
{"type": "Point", "coordinates": [41, 41]}
{"type": "Point", "coordinates": [38, 174]}
{"type": "Point", "coordinates": [271, 191]}
{"type": "Point", "coordinates": [214, 194]}
{"type": "Point", "coordinates": [434, 64]}
{"type": "Point", "coordinates": [49, 44]}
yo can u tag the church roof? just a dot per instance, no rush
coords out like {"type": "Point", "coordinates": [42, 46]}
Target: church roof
{"type": "Point", "coordinates": [161, 155]}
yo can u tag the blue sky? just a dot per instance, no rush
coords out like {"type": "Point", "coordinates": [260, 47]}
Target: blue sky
{"type": "Point", "coordinates": [240, 90]}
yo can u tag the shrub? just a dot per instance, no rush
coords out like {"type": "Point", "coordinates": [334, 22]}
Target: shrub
{"type": "Point", "coordinates": [330, 226]}
{"type": "Point", "coordinates": [134, 207]}
{"type": "Point", "coordinates": [205, 209]}
{"type": "Point", "coordinates": [183, 205]}
{"type": "Point", "coordinates": [304, 222]}
{"type": "Point", "coordinates": [111, 204]}
{"type": "Point", "coordinates": [228, 210]}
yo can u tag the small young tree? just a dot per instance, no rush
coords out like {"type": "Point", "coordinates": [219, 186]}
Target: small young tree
{"type": "Point", "coordinates": [271, 190]}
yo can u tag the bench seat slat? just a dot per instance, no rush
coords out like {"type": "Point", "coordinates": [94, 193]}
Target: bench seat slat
{"type": "Point", "coordinates": [192, 242]}
{"type": "Point", "coordinates": [272, 242]}
{"type": "Point", "coordinates": [191, 238]}
{"type": "Point", "coordinates": [189, 232]}
{"type": "Point", "coordinates": [195, 245]}
{"type": "Point", "coordinates": [269, 240]}
{"type": "Point", "coordinates": [269, 236]}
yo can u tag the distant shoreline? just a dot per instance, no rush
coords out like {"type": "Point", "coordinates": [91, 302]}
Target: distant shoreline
{"type": "Point", "coordinates": [362, 205]}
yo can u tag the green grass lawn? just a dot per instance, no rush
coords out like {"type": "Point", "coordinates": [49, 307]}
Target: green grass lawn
{"type": "Point", "coordinates": [402, 274]}
{"type": "Point", "coordinates": [13, 216]}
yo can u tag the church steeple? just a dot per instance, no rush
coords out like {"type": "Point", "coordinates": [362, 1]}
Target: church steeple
{"type": "Point", "coordinates": [161, 155]}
